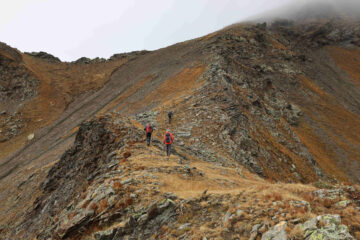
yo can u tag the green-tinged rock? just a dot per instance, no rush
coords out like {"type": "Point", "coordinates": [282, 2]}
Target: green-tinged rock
{"type": "Point", "coordinates": [337, 233]}
{"type": "Point", "coordinates": [343, 204]}
{"type": "Point", "coordinates": [325, 227]}
{"type": "Point", "coordinates": [316, 236]}
{"type": "Point", "coordinates": [276, 233]}
{"type": "Point", "coordinates": [330, 219]}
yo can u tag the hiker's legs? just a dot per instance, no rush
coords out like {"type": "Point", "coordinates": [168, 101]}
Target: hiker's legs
{"type": "Point", "coordinates": [169, 120]}
{"type": "Point", "coordinates": [168, 149]}
{"type": "Point", "coordinates": [148, 138]}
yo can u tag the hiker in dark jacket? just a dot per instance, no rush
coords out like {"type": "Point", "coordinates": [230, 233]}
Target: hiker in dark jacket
{"type": "Point", "coordinates": [168, 140]}
{"type": "Point", "coordinates": [170, 114]}
{"type": "Point", "coordinates": [149, 129]}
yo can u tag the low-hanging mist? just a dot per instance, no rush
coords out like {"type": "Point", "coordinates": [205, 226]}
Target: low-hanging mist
{"type": "Point", "coordinates": [312, 9]}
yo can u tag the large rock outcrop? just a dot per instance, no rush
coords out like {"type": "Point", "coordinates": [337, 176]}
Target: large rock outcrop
{"type": "Point", "coordinates": [77, 168]}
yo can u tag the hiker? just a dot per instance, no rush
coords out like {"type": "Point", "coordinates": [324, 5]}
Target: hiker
{"type": "Point", "coordinates": [170, 116]}
{"type": "Point", "coordinates": [149, 129]}
{"type": "Point", "coordinates": [168, 140]}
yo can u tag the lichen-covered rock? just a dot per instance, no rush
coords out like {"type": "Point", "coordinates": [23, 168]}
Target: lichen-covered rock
{"type": "Point", "coordinates": [342, 204]}
{"type": "Point", "coordinates": [300, 204]}
{"type": "Point", "coordinates": [17, 83]}
{"type": "Point", "coordinates": [276, 233]}
{"type": "Point", "coordinates": [255, 231]}
{"type": "Point", "coordinates": [325, 227]}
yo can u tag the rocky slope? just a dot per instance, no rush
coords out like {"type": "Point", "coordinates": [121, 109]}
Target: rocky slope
{"type": "Point", "coordinates": [266, 126]}
{"type": "Point", "coordinates": [110, 186]}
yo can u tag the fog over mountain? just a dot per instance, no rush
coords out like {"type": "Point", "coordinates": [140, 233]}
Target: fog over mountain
{"type": "Point", "coordinates": [313, 9]}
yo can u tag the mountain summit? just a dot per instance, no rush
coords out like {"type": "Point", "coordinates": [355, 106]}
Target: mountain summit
{"type": "Point", "coordinates": [266, 137]}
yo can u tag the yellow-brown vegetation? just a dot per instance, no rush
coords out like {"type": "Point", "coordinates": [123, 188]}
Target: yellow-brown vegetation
{"type": "Point", "coordinates": [183, 83]}
{"type": "Point", "coordinates": [338, 123]}
{"type": "Point", "coordinates": [117, 186]}
{"type": "Point", "coordinates": [348, 60]}
{"type": "Point", "coordinates": [296, 233]}
{"type": "Point", "coordinates": [102, 205]}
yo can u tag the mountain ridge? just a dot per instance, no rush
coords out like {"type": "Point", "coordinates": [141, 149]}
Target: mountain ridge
{"type": "Point", "coordinates": [255, 107]}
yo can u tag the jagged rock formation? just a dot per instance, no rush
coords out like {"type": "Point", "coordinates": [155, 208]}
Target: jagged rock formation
{"type": "Point", "coordinates": [79, 166]}
{"type": "Point", "coordinates": [112, 58]}
{"type": "Point", "coordinates": [44, 55]}
{"type": "Point", "coordinates": [17, 83]}
{"type": "Point", "coordinates": [127, 55]}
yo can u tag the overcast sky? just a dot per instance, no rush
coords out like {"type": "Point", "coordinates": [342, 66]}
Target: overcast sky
{"type": "Point", "coordinates": [70, 29]}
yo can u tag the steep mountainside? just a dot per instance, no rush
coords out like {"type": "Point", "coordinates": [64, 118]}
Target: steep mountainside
{"type": "Point", "coordinates": [39, 92]}
{"type": "Point", "coordinates": [260, 113]}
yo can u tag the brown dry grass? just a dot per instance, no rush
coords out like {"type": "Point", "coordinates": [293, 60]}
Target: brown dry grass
{"type": "Point", "coordinates": [264, 192]}
{"type": "Point", "coordinates": [350, 216]}
{"type": "Point", "coordinates": [306, 216]}
{"type": "Point", "coordinates": [102, 205]}
{"type": "Point", "coordinates": [183, 83]}
{"type": "Point", "coordinates": [340, 125]}
{"type": "Point", "coordinates": [120, 205]}
{"type": "Point", "coordinates": [117, 186]}
{"type": "Point", "coordinates": [328, 202]}
{"type": "Point", "coordinates": [275, 196]}
{"type": "Point", "coordinates": [72, 215]}
{"type": "Point", "coordinates": [193, 187]}
{"type": "Point", "coordinates": [129, 201]}
{"type": "Point", "coordinates": [94, 206]}
{"type": "Point", "coordinates": [122, 98]}
{"type": "Point", "coordinates": [296, 233]}
{"type": "Point", "coordinates": [266, 140]}
{"type": "Point", "coordinates": [348, 60]}
{"type": "Point", "coordinates": [86, 204]}
{"type": "Point", "coordinates": [276, 44]}
{"type": "Point", "coordinates": [323, 156]}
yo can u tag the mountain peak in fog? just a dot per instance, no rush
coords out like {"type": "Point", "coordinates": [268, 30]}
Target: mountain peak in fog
{"type": "Point", "coordinates": [313, 9]}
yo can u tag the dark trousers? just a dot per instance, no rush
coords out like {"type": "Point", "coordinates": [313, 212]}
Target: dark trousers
{"type": "Point", "coordinates": [170, 119]}
{"type": "Point", "coordinates": [148, 138]}
{"type": "Point", "coordinates": [168, 149]}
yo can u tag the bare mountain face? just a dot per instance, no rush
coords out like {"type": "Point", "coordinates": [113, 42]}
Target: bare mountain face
{"type": "Point", "coordinates": [266, 126]}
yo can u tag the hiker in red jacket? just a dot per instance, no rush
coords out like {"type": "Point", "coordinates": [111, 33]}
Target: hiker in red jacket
{"type": "Point", "coordinates": [149, 129]}
{"type": "Point", "coordinates": [168, 140]}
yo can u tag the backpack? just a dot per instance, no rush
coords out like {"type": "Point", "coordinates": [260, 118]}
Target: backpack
{"type": "Point", "coordinates": [167, 138]}
{"type": "Point", "coordinates": [149, 129]}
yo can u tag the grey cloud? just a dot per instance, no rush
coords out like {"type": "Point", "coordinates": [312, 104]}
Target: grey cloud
{"type": "Point", "coordinates": [314, 9]}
